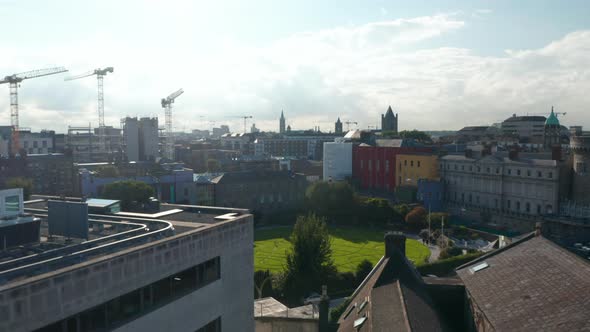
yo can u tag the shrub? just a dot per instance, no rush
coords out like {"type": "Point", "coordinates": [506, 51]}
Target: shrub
{"type": "Point", "coordinates": [444, 267]}
{"type": "Point", "coordinates": [416, 218]}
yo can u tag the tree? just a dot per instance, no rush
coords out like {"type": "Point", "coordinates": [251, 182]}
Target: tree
{"type": "Point", "coordinates": [128, 192]}
{"type": "Point", "coordinates": [263, 284]}
{"type": "Point", "coordinates": [24, 183]}
{"type": "Point", "coordinates": [107, 171]}
{"type": "Point", "coordinates": [416, 218]}
{"type": "Point", "coordinates": [378, 210]}
{"type": "Point", "coordinates": [213, 165]}
{"type": "Point", "coordinates": [335, 201]}
{"type": "Point", "coordinates": [402, 209]}
{"type": "Point", "coordinates": [450, 252]}
{"type": "Point", "coordinates": [416, 135]}
{"type": "Point", "coordinates": [363, 270]}
{"type": "Point", "coordinates": [310, 262]}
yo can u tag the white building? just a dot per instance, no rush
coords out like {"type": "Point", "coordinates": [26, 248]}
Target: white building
{"type": "Point", "coordinates": [337, 161]}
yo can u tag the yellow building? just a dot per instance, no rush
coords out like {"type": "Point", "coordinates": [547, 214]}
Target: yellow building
{"type": "Point", "coordinates": [411, 167]}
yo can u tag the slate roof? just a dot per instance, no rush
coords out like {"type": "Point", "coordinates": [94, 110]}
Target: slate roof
{"type": "Point", "coordinates": [531, 285]}
{"type": "Point", "coordinates": [396, 300]}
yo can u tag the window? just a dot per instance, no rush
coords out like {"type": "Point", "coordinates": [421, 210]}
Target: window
{"type": "Point", "coordinates": [478, 169]}
{"type": "Point", "coordinates": [496, 203]}
{"type": "Point", "coordinates": [497, 170]}
{"type": "Point", "coordinates": [418, 163]}
{"type": "Point", "coordinates": [550, 174]}
{"type": "Point", "coordinates": [370, 165]}
{"type": "Point", "coordinates": [405, 163]}
{"type": "Point", "coordinates": [456, 167]}
{"type": "Point", "coordinates": [509, 171]}
{"type": "Point", "coordinates": [470, 168]}
{"type": "Point", "coordinates": [508, 204]}
{"type": "Point", "coordinates": [35, 144]}
{"type": "Point", "coordinates": [539, 174]}
{"type": "Point", "coordinates": [528, 172]}
{"type": "Point", "coordinates": [213, 326]}
{"type": "Point", "coordinates": [377, 165]}
{"type": "Point", "coordinates": [538, 208]}
{"type": "Point", "coordinates": [527, 207]}
{"type": "Point", "coordinates": [518, 172]}
{"type": "Point", "coordinates": [488, 170]}
{"type": "Point", "coordinates": [44, 143]}
{"type": "Point", "coordinates": [462, 197]}
{"type": "Point", "coordinates": [386, 166]}
{"type": "Point", "coordinates": [12, 204]}
{"type": "Point", "coordinates": [118, 311]}
{"type": "Point", "coordinates": [361, 164]}
{"type": "Point", "coordinates": [470, 198]}
{"type": "Point", "coordinates": [411, 163]}
{"type": "Point", "coordinates": [477, 199]}
{"type": "Point", "coordinates": [517, 206]}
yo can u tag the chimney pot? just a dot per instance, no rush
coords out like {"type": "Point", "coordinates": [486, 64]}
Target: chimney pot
{"type": "Point", "coordinates": [395, 242]}
{"type": "Point", "coordinates": [538, 228]}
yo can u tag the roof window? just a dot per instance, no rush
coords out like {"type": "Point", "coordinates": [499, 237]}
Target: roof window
{"type": "Point", "coordinates": [478, 267]}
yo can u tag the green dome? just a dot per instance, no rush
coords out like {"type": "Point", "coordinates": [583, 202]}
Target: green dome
{"type": "Point", "coordinates": [552, 119]}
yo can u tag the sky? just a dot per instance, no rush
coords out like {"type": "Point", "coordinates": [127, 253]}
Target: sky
{"type": "Point", "coordinates": [441, 65]}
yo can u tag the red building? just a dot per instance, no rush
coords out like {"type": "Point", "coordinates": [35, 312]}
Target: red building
{"type": "Point", "coordinates": [374, 166]}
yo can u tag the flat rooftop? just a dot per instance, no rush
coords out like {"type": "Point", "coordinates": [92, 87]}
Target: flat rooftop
{"type": "Point", "coordinates": [108, 234]}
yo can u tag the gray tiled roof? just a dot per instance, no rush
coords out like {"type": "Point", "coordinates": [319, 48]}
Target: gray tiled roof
{"type": "Point", "coordinates": [532, 285]}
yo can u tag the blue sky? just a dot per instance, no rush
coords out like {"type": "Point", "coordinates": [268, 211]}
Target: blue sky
{"type": "Point", "coordinates": [440, 64]}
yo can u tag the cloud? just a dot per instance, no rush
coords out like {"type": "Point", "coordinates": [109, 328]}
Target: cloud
{"type": "Point", "coordinates": [353, 72]}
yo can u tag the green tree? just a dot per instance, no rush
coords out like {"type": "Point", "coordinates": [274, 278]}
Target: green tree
{"type": "Point", "coordinates": [263, 280]}
{"type": "Point", "coordinates": [128, 192]}
{"type": "Point", "coordinates": [416, 135]}
{"type": "Point", "coordinates": [416, 218]}
{"type": "Point", "coordinates": [402, 209]}
{"type": "Point", "coordinates": [363, 270]}
{"type": "Point", "coordinates": [24, 183]}
{"type": "Point", "coordinates": [107, 171]}
{"type": "Point", "coordinates": [379, 211]}
{"type": "Point", "coordinates": [331, 199]}
{"type": "Point", "coordinates": [213, 165]}
{"type": "Point", "coordinates": [310, 262]}
{"type": "Point", "coordinates": [450, 252]}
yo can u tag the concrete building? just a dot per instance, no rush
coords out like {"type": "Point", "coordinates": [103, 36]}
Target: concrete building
{"type": "Point", "coordinates": [186, 268]}
{"type": "Point", "coordinates": [281, 147]}
{"type": "Point", "coordinates": [140, 137]}
{"type": "Point", "coordinates": [552, 133]}
{"type": "Point", "coordinates": [580, 146]}
{"type": "Point", "coordinates": [505, 189]}
{"type": "Point", "coordinates": [337, 161]}
{"type": "Point", "coordinates": [36, 143]}
{"type": "Point", "coordinates": [271, 315]}
{"type": "Point", "coordinates": [413, 167]}
{"type": "Point", "coordinates": [219, 131]}
{"type": "Point", "coordinates": [389, 121]}
{"type": "Point", "coordinates": [528, 128]}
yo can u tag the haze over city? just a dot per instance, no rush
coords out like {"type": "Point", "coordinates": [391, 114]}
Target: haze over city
{"type": "Point", "coordinates": [440, 65]}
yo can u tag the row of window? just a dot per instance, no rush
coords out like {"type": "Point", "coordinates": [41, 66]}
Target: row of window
{"type": "Point", "coordinates": [132, 305]}
{"type": "Point", "coordinates": [377, 164]}
{"type": "Point", "coordinates": [497, 170]}
{"type": "Point", "coordinates": [509, 206]}
{"type": "Point", "coordinates": [35, 144]}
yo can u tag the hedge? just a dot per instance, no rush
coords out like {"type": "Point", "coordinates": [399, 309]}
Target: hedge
{"type": "Point", "coordinates": [444, 267]}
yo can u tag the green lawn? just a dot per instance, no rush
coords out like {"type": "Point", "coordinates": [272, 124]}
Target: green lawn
{"type": "Point", "coordinates": [349, 245]}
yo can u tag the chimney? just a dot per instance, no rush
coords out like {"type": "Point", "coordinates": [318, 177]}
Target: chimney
{"type": "Point", "coordinates": [468, 153]}
{"type": "Point", "coordinates": [513, 153]}
{"type": "Point", "coordinates": [556, 153]}
{"type": "Point", "coordinates": [324, 306]}
{"type": "Point", "coordinates": [486, 151]}
{"type": "Point", "coordinates": [395, 242]}
{"type": "Point", "coordinates": [538, 228]}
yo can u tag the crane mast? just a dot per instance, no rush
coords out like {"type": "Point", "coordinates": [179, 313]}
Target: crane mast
{"type": "Point", "coordinates": [100, 74]}
{"type": "Point", "coordinates": [13, 81]}
{"type": "Point", "coordinates": [167, 105]}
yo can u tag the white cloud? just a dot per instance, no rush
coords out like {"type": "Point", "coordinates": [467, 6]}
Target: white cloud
{"type": "Point", "coordinates": [351, 71]}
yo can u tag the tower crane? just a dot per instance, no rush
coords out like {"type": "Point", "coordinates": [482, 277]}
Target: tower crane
{"type": "Point", "coordinates": [14, 81]}
{"type": "Point", "coordinates": [348, 123]}
{"type": "Point", "coordinates": [167, 105]}
{"type": "Point", "coordinates": [246, 117]}
{"type": "Point", "coordinates": [100, 74]}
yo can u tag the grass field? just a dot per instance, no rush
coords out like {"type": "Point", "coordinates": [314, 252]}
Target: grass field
{"type": "Point", "coordinates": [349, 246]}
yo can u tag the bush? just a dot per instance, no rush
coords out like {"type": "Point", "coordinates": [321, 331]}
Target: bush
{"type": "Point", "coordinates": [416, 218]}
{"type": "Point", "coordinates": [24, 183]}
{"type": "Point", "coordinates": [339, 310]}
{"type": "Point", "coordinates": [362, 270]}
{"type": "Point", "coordinates": [444, 267]}
{"type": "Point", "coordinates": [450, 252]}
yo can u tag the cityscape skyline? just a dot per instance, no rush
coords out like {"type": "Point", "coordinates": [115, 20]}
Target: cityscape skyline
{"type": "Point", "coordinates": [455, 64]}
